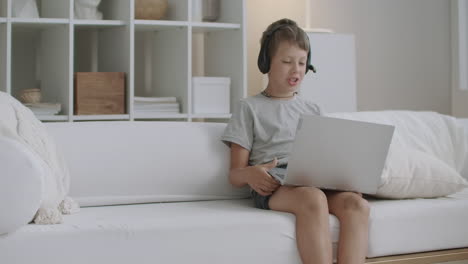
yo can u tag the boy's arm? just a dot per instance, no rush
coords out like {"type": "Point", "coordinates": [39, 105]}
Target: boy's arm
{"type": "Point", "coordinates": [239, 164]}
{"type": "Point", "coordinates": [257, 177]}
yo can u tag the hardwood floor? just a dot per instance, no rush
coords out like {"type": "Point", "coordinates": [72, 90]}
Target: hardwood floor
{"type": "Point", "coordinates": [452, 256]}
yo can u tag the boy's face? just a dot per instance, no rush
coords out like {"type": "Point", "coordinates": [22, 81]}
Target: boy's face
{"type": "Point", "coordinates": [287, 68]}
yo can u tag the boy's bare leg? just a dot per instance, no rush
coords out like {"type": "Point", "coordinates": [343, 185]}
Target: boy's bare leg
{"type": "Point", "coordinates": [310, 207]}
{"type": "Point", "coordinates": [353, 212]}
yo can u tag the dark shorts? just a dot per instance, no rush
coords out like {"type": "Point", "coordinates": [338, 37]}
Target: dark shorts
{"type": "Point", "coordinates": [262, 202]}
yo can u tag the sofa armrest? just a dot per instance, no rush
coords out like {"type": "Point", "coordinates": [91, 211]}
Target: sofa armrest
{"type": "Point", "coordinates": [20, 186]}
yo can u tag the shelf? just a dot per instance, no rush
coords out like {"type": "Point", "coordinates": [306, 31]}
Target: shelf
{"type": "Point", "coordinates": [138, 115]}
{"type": "Point", "coordinates": [143, 25]}
{"type": "Point", "coordinates": [3, 8]}
{"type": "Point", "coordinates": [213, 55]}
{"type": "Point", "coordinates": [40, 59]}
{"type": "Point", "coordinates": [82, 23]}
{"type": "Point", "coordinates": [52, 117]}
{"type": "Point", "coordinates": [212, 116]}
{"type": "Point", "coordinates": [99, 117]}
{"type": "Point", "coordinates": [203, 27]}
{"type": "Point", "coordinates": [158, 57]}
{"type": "Point", "coordinates": [39, 21]}
{"type": "Point", "coordinates": [161, 68]}
{"type": "Point", "coordinates": [3, 57]}
{"type": "Point", "coordinates": [101, 50]}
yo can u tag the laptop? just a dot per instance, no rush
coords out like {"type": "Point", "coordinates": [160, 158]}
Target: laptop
{"type": "Point", "coordinates": [337, 154]}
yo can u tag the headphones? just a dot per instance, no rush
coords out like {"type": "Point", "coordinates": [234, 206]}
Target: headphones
{"type": "Point", "coordinates": [263, 61]}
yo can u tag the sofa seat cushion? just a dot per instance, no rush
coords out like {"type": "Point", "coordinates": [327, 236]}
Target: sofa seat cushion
{"type": "Point", "coordinates": [228, 231]}
{"type": "Point", "coordinates": [417, 225]}
{"type": "Point", "coordinates": [210, 231]}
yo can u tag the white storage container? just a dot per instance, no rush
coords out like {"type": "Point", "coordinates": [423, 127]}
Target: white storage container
{"type": "Point", "coordinates": [211, 95]}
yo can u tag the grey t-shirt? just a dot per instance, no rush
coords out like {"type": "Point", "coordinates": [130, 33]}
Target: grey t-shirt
{"type": "Point", "coordinates": [267, 127]}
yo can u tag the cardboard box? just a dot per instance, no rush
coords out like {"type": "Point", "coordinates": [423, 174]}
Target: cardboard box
{"type": "Point", "coordinates": [211, 95]}
{"type": "Point", "coordinates": [99, 93]}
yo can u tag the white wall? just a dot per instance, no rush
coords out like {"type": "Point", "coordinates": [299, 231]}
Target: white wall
{"type": "Point", "coordinates": [403, 47]}
{"type": "Point", "coordinates": [403, 50]}
{"type": "Point", "coordinates": [459, 102]}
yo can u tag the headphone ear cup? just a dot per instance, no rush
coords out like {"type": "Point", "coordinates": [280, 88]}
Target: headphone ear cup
{"type": "Point", "coordinates": [308, 65]}
{"type": "Point", "coordinates": [263, 61]}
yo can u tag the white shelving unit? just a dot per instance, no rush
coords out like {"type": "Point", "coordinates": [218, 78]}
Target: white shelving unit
{"type": "Point", "coordinates": [3, 44]}
{"type": "Point", "coordinates": [159, 57]}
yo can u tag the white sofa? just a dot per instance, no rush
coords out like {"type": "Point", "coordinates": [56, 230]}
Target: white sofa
{"type": "Point", "coordinates": [157, 192]}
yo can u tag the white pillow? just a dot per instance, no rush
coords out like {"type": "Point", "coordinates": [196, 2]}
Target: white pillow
{"type": "Point", "coordinates": [410, 173]}
{"type": "Point", "coordinates": [20, 186]}
{"type": "Point", "coordinates": [425, 156]}
{"type": "Point", "coordinates": [464, 172]}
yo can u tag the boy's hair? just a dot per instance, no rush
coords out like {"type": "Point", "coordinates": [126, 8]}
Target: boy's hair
{"type": "Point", "coordinates": [281, 30]}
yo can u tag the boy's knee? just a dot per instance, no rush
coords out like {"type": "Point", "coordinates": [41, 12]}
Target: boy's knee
{"type": "Point", "coordinates": [354, 203]}
{"type": "Point", "coordinates": [311, 199]}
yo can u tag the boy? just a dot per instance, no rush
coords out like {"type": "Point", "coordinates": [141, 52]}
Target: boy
{"type": "Point", "coordinates": [260, 135]}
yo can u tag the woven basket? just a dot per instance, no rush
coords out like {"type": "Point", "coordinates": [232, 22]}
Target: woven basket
{"type": "Point", "coordinates": [30, 96]}
{"type": "Point", "coordinates": [150, 9]}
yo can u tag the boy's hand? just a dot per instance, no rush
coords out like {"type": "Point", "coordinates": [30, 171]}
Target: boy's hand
{"type": "Point", "coordinates": [261, 181]}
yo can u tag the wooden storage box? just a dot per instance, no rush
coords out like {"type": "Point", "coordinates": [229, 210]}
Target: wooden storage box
{"type": "Point", "coordinates": [99, 93]}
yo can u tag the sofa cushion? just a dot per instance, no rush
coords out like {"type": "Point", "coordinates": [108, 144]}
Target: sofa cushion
{"type": "Point", "coordinates": [418, 225]}
{"type": "Point", "coordinates": [136, 162]}
{"type": "Point", "coordinates": [22, 173]}
{"type": "Point", "coordinates": [416, 174]}
{"type": "Point", "coordinates": [228, 232]}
